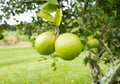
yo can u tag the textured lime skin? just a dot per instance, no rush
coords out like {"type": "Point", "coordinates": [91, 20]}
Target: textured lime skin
{"type": "Point", "coordinates": [93, 43]}
{"type": "Point", "coordinates": [68, 46]}
{"type": "Point", "coordinates": [44, 43]}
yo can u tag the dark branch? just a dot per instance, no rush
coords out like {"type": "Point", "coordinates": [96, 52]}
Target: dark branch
{"type": "Point", "coordinates": [110, 52]}
{"type": "Point", "coordinates": [84, 10]}
{"type": "Point", "coordinates": [116, 73]}
{"type": "Point", "coordinates": [111, 68]}
{"type": "Point", "coordinates": [95, 69]}
{"type": "Point", "coordinates": [37, 1]}
{"type": "Point", "coordinates": [98, 56]}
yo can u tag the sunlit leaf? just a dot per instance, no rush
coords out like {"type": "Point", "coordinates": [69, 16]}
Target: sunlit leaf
{"type": "Point", "coordinates": [58, 17]}
{"type": "Point", "coordinates": [114, 13]}
{"type": "Point", "coordinates": [48, 7]}
{"type": "Point", "coordinates": [75, 29]}
{"type": "Point", "coordinates": [46, 16]}
{"type": "Point", "coordinates": [85, 61]}
{"type": "Point", "coordinates": [105, 18]}
{"type": "Point", "coordinates": [53, 2]}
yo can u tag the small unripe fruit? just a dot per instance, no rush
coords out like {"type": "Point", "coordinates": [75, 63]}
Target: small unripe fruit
{"type": "Point", "coordinates": [93, 43]}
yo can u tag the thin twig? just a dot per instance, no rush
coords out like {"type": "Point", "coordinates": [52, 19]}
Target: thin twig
{"type": "Point", "coordinates": [97, 57]}
{"type": "Point", "coordinates": [110, 52]}
{"type": "Point", "coordinates": [95, 69]}
{"type": "Point", "coordinates": [114, 75]}
{"type": "Point", "coordinates": [84, 10]}
{"type": "Point", "coordinates": [37, 1]}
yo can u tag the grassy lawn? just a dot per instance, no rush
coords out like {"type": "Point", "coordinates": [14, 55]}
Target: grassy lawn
{"type": "Point", "coordinates": [21, 66]}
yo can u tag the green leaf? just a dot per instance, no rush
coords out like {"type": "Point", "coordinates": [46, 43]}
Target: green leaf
{"type": "Point", "coordinates": [48, 7]}
{"type": "Point", "coordinates": [119, 34]}
{"type": "Point", "coordinates": [46, 16]}
{"type": "Point", "coordinates": [53, 2]}
{"type": "Point", "coordinates": [114, 13]}
{"type": "Point", "coordinates": [75, 29]}
{"type": "Point", "coordinates": [105, 18]}
{"type": "Point", "coordinates": [82, 38]}
{"type": "Point", "coordinates": [80, 0]}
{"type": "Point", "coordinates": [111, 1]}
{"type": "Point", "coordinates": [58, 17]}
{"type": "Point", "coordinates": [85, 61]}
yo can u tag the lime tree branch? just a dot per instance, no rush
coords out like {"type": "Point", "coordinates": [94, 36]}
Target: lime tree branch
{"type": "Point", "coordinates": [111, 68]}
{"type": "Point", "coordinates": [110, 52]}
{"type": "Point", "coordinates": [114, 76]}
{"type": "Point", "coordinates": [95, 69]}
{"type": "Point", "coordinates": [34, 1]}
{"type": "Point", "coordinates": [98, 56]}
{"type": "Point", "coordinates": [84, 10]}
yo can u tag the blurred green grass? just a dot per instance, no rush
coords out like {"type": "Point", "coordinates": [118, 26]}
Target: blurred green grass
{"type": "Point", "coordinates": [21, 66]}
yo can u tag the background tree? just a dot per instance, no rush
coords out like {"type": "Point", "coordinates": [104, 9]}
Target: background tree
{"type": "Point", "coordinates": [97, 19]}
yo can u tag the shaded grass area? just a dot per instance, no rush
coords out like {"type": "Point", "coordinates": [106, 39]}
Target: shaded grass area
{"type": "Point", "coordinates": [21, 66]}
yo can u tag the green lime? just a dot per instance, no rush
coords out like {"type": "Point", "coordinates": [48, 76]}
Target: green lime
{"type": "Point", "coordinates": [68, 46]}
{"type": "Point", "coordinates": [44, 43]}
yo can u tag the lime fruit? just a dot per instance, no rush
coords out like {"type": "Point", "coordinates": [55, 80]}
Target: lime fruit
{"type": "Point", "coordinates": [93, 43]}
{"type": "Point", "coordinates": [44, 43]}
{"type": "Point", "coordinates": [90, 37]}
{"type": "Point", "coordinates": [68, 46]}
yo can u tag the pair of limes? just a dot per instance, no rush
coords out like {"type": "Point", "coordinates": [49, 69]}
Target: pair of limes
{"type": "Point", "coordinates": [67, 45]}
